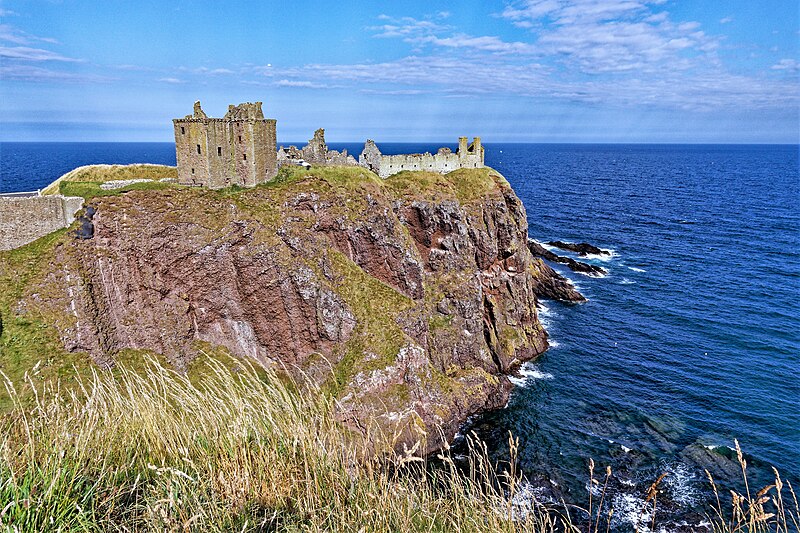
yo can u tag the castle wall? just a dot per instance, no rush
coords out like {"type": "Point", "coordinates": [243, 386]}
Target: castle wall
{"type": "Point", "coordinates": [193, 167]}
{"type": "Point", "coordinates": [23, 220]}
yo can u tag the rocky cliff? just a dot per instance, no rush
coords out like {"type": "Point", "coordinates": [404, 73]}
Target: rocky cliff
{"type": "Point", "coordinates": [409, 299]}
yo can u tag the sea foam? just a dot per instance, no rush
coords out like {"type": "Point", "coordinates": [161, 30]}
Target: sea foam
{"type": "Point", "coordinates": [529, 371]}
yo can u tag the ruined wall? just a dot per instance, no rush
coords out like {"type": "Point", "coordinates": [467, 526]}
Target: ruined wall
{"type": "Point", "coordinates": [316, 152]}
{"type": "Point", "coordinates": [239, 149]}
{"type": "Point", "coordinates": [23, 220]}
{"type": "Point", "coordinates": [443, 161]}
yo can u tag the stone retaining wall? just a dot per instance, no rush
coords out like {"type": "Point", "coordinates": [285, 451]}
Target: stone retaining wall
{"type": "Point", "coordinates": [23, 220]}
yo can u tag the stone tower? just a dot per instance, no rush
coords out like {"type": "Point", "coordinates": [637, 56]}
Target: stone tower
{"type": "Point", "coordinates": [238, 149]}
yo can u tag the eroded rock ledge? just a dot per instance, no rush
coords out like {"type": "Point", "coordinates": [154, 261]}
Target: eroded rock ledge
{"type": "Point", "coordinates": [410, 299]}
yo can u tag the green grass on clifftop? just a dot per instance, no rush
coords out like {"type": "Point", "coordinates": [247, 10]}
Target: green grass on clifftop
{"type": "Point", "coordinates": [102, 173]}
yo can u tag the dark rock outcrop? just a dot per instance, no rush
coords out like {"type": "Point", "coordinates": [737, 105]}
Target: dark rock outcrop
{"type": "Point", "coordinates": [409, 299]}
{"type": "Point", "coordinates": [553, 286]}
{"type": "Point", "coordinates": [576, 266]}
{"type": "Point", "coordinates": [581, 248]}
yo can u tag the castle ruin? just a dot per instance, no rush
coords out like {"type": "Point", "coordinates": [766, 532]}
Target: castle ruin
{"type": "Point", "coordinates": [240, 149]}
{"type": "Point", "coordinates": [316, 152]}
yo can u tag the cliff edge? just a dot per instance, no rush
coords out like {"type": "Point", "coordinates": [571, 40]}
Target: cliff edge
{"type": "Point", "coordinates": [409, 299]}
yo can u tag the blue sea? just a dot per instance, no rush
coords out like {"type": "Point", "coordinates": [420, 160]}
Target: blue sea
{"type": "Point", "coordinates": [691, 340]}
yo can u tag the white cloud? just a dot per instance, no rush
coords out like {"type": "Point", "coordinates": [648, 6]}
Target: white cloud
{"type": "Point", "coordinates": [43, 75]}
{"type": "Point", "coordinates": [612, 35]}
{"type": "Point", "coordinates": [421, 32]}
{"type": "Point", "coordinates": [33, 54]}
{"type": "Point", "coordinates": [12, 34]}
{"type": "Point", "coordinates": [790, 65]}
{"type": "Point", "coordinates": [435, 75]}
{"type": "Point", "coordinates": [484, 43]}
{"type": "Point", "coordinates": [171, 80]}
{"type": "Point", "coordinates": [303, 84]}
{"type": "Point", "coordinates": [407, 27]}
{"type": "Point", "coordinates": [726, 20]}
{"type": "Point", "coordinates": [206, 71]}
{"type": "Point", "coordinates": [393, 92]}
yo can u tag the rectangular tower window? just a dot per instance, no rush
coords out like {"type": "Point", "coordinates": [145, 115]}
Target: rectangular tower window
{"type": "Point", "coordinates": [183, 130]}
{"type": "Point", "coordinates": [198, 148]}
{"type": "Point", "coordinates": [245, 157]}
{"type": "Point", "coordinates": [219, 150]}
{"type": "Point", "coordinates": [192, 171]}
{"type": "Point", "coordinates": [240, 138]}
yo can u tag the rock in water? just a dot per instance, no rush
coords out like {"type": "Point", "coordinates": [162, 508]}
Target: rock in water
{"type": "Point", "coordinates": [410, 299]}
{"type": "Point", "coordinates": [576, 266]}
{"type": "Point", "coordinates": [581, 248]}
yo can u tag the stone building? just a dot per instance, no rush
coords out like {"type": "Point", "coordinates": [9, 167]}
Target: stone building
{"type": "Point", "coordinates": [316, 152]}
{"type": "Point", "coordinates": [238, 149]}
{"type": "Point", "coordinates": [467, 156]}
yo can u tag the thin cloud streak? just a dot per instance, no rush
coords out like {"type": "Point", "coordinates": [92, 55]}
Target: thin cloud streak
{"type": "Point", "coordinates": [34, 54]}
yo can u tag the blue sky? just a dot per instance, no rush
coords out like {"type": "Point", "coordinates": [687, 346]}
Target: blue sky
{"type": "Point", "coordinates": [507, 70]}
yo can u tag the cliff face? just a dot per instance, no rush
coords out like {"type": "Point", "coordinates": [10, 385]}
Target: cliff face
{"type": "Point", "coordinates": [409, 299]}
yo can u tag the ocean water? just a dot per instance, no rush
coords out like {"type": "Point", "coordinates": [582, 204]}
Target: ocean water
{"type": "Point", "coordinates": [690, 341]}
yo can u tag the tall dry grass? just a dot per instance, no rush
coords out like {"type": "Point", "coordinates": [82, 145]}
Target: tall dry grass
{"type": "Point", "coordinates": [244, 450]}
{"type": "Point", "coordinates": [769, 509]}
{"type": "Point", "coordinates": [239, 450]}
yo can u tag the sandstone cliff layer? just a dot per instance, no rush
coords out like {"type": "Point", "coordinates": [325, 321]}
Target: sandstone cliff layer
{"type": "Point", "coordinates": [410, 299]}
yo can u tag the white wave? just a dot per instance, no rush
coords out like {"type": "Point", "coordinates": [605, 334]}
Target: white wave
{"type": "Point", "coordinates": [545, 246]}
{"type": "Point", "coordinates": [713, 447]}
{"type": "Point", "coordinates": [636, 269]}
{"type": "Point", "coordinates": [626, 281]}
{"type": "Point", "coordinates": [553, 344]}
{"type": "Point", "coordinates": [546, 315]}
{"type": "Point", "coordinates": [526, 499]}
{"type": "Point", "coordinates": [681, 483]}
{"type": "Point", "coordinates": [517, 381]}
{"type": "Point", "coordinates": [528, 371]}
{"type": "Point", "coordinates": [594, 274]}
{"type": "Point", "coordinates": [635, 511]}
{"type": "Point", "coordinates": [608, 256]}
